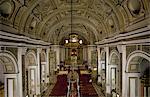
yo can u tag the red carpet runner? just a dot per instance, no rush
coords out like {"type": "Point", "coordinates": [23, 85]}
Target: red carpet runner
{"type": "Point", "coordinates": [60, 88]}
{"type": "Point", "coordinates": [86, 87]}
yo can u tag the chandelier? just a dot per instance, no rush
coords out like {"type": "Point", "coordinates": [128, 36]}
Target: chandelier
{"type": "Point", "coordinates": [73, 38]}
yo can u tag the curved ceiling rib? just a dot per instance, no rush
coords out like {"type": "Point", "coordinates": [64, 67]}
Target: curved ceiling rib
{"type": "Point", "coordinates": [77, 20]}
{"type": "Point", "coordinates": [93, 14]}
{"type": "Point", "coordinates": [26, 13]}
{"type": "Point", "coordinates": [53, 16]}
{"type": "Point", "coordinates": [117, 12]}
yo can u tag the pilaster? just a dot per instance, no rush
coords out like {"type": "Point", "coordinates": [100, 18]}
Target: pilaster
{"type": "Point", "coordinates": [108, 92]}
{"type": "Point", "coordinates": [21, 52]}
{"type": "Point", "coordinates": [47, 65]}
{"type": "Point", "coordinates": [38, 71]}
{"type": "Point", "coordinates": [62, 53]}
{"type": "Point", "coordinates": [85, 53]}
{"type": "Point", "coordinates": [90, 49]}
{"type": "Point", "coordinates": [124, 85]}
{"type": "Point", "coordinates": [56, 48]}
{"type": "Point", "coordinates": [99, 64]}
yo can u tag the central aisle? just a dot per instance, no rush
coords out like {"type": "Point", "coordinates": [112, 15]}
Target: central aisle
{"type": "Point", "coordinates": [60, 88]}
{"type": "Point", "coordinates": [86, 87]}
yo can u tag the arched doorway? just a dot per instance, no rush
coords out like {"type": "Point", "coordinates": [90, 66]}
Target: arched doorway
{"type": "Point", "coordinates": [138, 67]}
{"type": "Point", "coordinates": [31, 73]}
{"type": "Point", "coordinates": [2, 78]}
{"type": "Point", "coordinates": [8, 74]}
{"type": "Point", "coordinates": [114, 73]}
{"type": "Point", "coordinates": [145, 77]}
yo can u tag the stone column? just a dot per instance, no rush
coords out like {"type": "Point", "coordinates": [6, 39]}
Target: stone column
{"type": "Point", "coordinates": [47, 65]}
{"type": "Point", "coordinates": [108, 92]}
{"type": "Point", "coordinates": [99, 64]}
{"type": "Point", "coordinates": [56, 48]}
{"type": "Point", "coordinates": [124, 80]}
{"type": "Point", "coordinates": [89, 55]}
{"type": "Point", "coordinates": [38, 72]}
{"type": "Point", "coordinates": [66, 53]}
{"type": "Point", "coordinates": [90, 49]}
{"type": "Point", "coordinates": [85, 53]}
{"type": "Point", "coordinates": [119, 47]}
{"type": "Point", "coordinates": [21, 52]}
{"type": "Point", "coordinates": [62, 53]}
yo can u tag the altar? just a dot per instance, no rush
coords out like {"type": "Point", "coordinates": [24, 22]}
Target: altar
{"type": "Point", "coordinates": [62, 72]}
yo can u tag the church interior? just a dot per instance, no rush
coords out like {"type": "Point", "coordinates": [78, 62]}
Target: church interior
{"type": "Point", "coordinates": [74, 48]}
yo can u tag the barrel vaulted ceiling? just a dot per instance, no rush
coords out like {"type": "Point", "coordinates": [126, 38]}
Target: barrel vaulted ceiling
{"type": "Point", "coordinates": [93, 20]}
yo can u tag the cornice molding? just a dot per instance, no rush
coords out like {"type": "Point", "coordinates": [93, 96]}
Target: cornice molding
{"type": "Point", "coordinates": [120, 39]}
{"type": "Point", "coordinates": [17, 40]}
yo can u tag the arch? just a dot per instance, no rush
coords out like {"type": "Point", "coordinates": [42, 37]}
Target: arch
{"type": "Point", "coordinates": [30, 58]}
{"type": "Point", "coordinates": [119, 15]}
{"type": "Point", "coordinates": [25, 14]}
{"type": "Point", "coordinates": [137, 54]}
{"type": "Point", "coordinates": [7, 56]}
{"type": "Point", "coordinates": [114, 70]}
{"type": "Point", "coordinates": [1, 72]}
{"type": "Point", "coordinates": [9, 62]}
{"type": "Point", "coordinates": [30, 66]}
{"type": "Point", "coordinates": [113, 55]}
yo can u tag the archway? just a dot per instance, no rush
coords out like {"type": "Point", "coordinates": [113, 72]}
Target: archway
{"type": "Point", "coordinates": [114, 73]}
{"type": "Point", "coordinates": [31, 71]}
{"type": "Point", "coordinates": [8, 74]}
{"type": "Point", "coordinates": [2, 78]}
{"type": "Point", "coordinates": [138, 67]}
{"type": "Point", "coordinates": [145, 78]}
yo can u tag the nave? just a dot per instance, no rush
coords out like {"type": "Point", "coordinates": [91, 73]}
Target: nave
{"type": "Point", "coordinates": [109, 40]}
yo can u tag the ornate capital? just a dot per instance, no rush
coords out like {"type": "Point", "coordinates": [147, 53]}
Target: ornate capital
{"type": "Point", "coordinates": [39, 50]}
{"type": "Point", "coordinates": [24, 50]}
